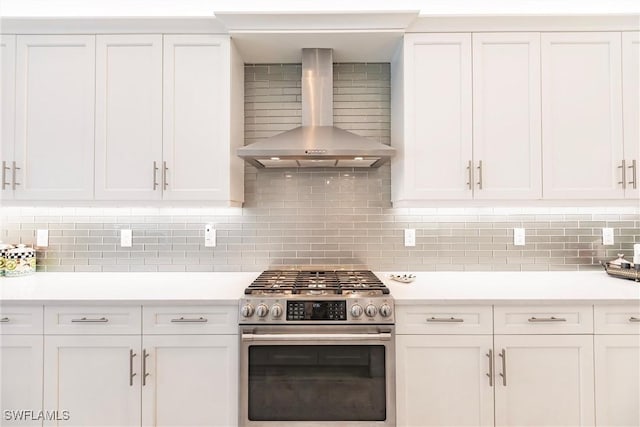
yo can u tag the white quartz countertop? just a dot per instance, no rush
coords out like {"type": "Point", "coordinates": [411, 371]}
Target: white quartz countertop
{"type": "Point", "coordinates": [227, 288]}
{"type": "Point", "coordinates": [497, 287]}
{"type": "Point", "coordinates": [222, 288]}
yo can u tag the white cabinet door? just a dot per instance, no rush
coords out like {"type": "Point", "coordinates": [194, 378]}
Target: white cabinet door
{"type": "Point", "coordinates": [631, 111]}
{"type": "Point", "coordinates": [443, 380]}
{"type": "Point", "coordinates": [55, 93]}
{"type": "Point", "coordinates": [7, 117]}
{"type": "Point", "coordinates": [506, 116]}
{"type": "Point", "coordinates": [199, 145]}
{"type": "Point", "coordinates": [436, 148]}
{"type": "Point", "coordinates": [192, 380]}
{"type": "Point", "coordinates": [617, 367]}
{"type": "Point", "coordinates": [544, 380]}
{"type": "Point", "coordinates": [582, 116]}
{"type": "Point", "coordinates": [92, 377]}
{"type": "Point", "coordinates": [21, 384]}
{"type": "Point", "coordinates": [128, 117]}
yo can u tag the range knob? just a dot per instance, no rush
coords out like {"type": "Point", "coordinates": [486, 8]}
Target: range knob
{"type": "Point", "coordinates": [385, 310]}
{"type": "Point", "coordinates": [276, 311]}
{"type": "Point", "coordinates": [246, 310]}
{"type": "Point", "coordinates": [370, 310]}
{"type": "Point", "coordinates": [356, 310]}
{"type": "Point", "coordinates": [262, 310]}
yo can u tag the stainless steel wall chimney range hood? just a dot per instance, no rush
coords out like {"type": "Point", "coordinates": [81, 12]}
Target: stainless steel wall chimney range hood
{"type": "Point", "coordinates": [317, 143]}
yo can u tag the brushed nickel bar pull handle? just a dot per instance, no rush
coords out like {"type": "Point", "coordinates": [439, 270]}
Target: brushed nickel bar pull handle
{"type": "Point", "coordinates": [470, 171]}
{"type": "Point", "coordinates": [183, 320]}
{"type": "Point", "coordinates": [88, 320]}
{"type": "Point", "coordinates": [144, 367]}
{"type": "Point", "coordinates": [480, 175]}
{"type": "Point", "coordinates": [623, 166]}
{"type": "Point", "coordinates": [633, 168]}
{"type": "Point", "coordinates": [503, 374]}
{"type": "Point", "coordinates": [490, 374]}
{"type": "Point", "coordinates": [546, 319]}
{"type": "Point", "coordinates": [445, 320]}
{"type": "Point", "coordinates": [5, 168]}
{"type": "Point", "coordinates": [165, 169]}
{"type": "Point", "coordinates": [6, 320]}
{"type": "Point", "coordinates": [13, 176]}
{"type": "Point", "coordinates": [131, 373]}
{"type": "Point", "coordinates": [155, 175]}
{"type": "Point", "coordinates": [634, 319]}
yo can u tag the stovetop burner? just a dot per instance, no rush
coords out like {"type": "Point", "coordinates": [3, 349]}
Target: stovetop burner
{"type": "Point", "coordinates": [293, 282]}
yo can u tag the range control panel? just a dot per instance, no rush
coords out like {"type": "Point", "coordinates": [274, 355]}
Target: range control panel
{"type": "Point", "coordinates": [353, 309]}
{"type": "Point", "coordinates": [316, 310]}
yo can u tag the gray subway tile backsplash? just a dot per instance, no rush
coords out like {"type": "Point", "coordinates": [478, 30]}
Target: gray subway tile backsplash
{"type": "Point", "coordinates": [321, 217]}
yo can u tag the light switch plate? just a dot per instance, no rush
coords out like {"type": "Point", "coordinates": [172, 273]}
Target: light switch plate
{"type": "Point", "coordinates": [607, 236]}
{"type": "Point", "coordinates": [126, 238]}
{"type": "Point", "coordinates": [518, 236]}
{"type": "Point", "coordinates": [410, 237]}
{"type": "Point", "coordinates": [209, 236]}
{"type": "Point", "coordinates": [42, 238]}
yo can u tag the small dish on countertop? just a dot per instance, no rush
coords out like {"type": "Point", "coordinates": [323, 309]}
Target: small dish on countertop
{"type": "Point", "coordinates": [404, 278]}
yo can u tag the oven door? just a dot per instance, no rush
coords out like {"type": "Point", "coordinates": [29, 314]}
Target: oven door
{"type": "Point", "coordinates": [317, 376]}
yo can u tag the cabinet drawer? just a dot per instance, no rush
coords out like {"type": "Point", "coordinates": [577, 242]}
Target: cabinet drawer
{"type": "Point", "coordinates": [543, 319]}
{"type": "Point", "coordinates": [78, 320]}
{"type": "Point", "coordinates": [21, 319]}
{"type": "Point", "coordinates": [443, 319]}
{"type": "Point", "coordinates": [617, 319]}
{"type": "Point", "coordinates": [197, 319]}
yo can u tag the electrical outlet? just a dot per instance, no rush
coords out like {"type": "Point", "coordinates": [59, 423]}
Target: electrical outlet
{"type": "Point", "coordinates": [126, 238]}
{"type": "Point", "coordinates": [518, 236]}
{"type": "Point", "coordinates": [607, 236]}
{"type": "Point", "coordinates": [410, 237]}
{"type": "Point", "coordinates": [209, 236]}
{"type": "Point", "coordinates": [42, 238]}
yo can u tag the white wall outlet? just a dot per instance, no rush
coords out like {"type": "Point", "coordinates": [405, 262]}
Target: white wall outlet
{"type": "Point", "coordinates": [410, 237]}
{"type": "Point", "coordinates": [126, 238]}
{"type": "Point", "coordinates": [42, 238]}
{"type": "Point", "coordinates": [607, 236]}
{"type": "Point", "coordinates": [518, 236]}
{"type": "Point", "coordinates": [209, 236]}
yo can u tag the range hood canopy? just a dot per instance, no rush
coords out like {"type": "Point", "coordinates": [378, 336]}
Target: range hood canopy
{"type": "Point", "coordinates": [317, 143]}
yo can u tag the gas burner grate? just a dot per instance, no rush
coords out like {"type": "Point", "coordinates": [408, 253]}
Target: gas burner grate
{"type": "Point", "coordinates": [325, 282]}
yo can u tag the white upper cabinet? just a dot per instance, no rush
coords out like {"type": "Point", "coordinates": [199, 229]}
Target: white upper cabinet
{"type": "Point", "coordinates": [7, 117]}
{"type": "Point", "coordinates": [434, 149]}
{"type": "Point", "coordinates": [128, 117]}
{"type": "Point", "coordinates": [506, 116]}
{"type": "Point", "coordinates": [203, 108]}
{"type": "Point", "coordinates": [582, 116]}
{"type": "Point", "coordinates": [631, 111]}
{"type": "Point", "coordinates": [471, 125]}
{"type": "Point", "coordinates": [55, 94]}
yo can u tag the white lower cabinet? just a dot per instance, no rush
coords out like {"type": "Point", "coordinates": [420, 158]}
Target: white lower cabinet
{"type": "Point", "coordinates": [93, 377]}
{"type": "Point", "coordinates": [101, 378]}
{"type": "Point", "coordinates": [617, 362]}
{"type": "Point", "coordinates": [454, 370]}
{"type": "Point", "coordinates": [21, 374]}
{"type": "Point", "coordinates": [544, 380]}
{"type": "Point", "coordinates": [442, 380]}
{"type": "Point", "coordinates": [190, 380]}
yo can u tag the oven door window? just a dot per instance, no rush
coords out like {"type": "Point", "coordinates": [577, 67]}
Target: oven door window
{"type": "Point", "coordinates": [317, 383]}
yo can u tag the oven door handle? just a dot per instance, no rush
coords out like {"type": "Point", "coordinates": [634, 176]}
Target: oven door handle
{"type": "Point", "coordinates": [383, 336]}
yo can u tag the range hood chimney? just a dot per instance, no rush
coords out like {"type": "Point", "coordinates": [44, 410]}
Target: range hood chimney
{"type": "Point", "coordinates": [317, 143]}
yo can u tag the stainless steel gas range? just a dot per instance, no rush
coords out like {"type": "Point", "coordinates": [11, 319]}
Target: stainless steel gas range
{"type": "Point", "coordinates": [317, 349]}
